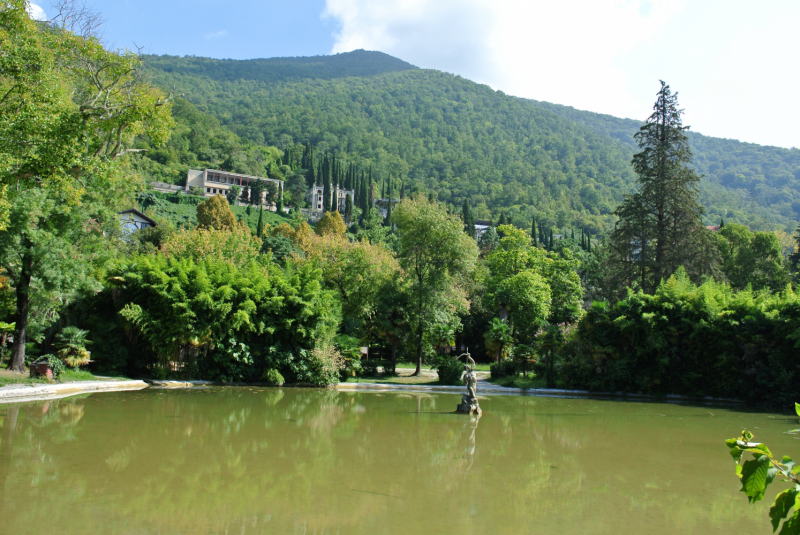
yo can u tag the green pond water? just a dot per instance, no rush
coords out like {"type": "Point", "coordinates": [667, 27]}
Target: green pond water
{"type": "Point", "coordinates": [302, 461]}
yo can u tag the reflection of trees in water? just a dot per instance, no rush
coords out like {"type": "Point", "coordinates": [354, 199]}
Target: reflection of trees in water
{"type": "Point", "coordinates": [252, 460]}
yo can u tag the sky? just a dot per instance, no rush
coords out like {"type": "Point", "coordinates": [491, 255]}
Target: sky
{"type": "Point", "coordinates": [734, 63]}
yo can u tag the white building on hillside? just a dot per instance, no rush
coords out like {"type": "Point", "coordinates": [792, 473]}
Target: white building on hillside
{"type": "Point", "coordinates": [216, 182]}
{"type": "Point", "coordinates": [315, 197]}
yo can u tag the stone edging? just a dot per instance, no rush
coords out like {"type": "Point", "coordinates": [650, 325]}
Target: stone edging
{"type": "Point", "coordinates": [486, 388]}
{"type": "Point", "coordinates": [18, 394]}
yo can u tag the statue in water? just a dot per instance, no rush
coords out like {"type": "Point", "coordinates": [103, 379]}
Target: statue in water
{"type": "Point", "coordinates": [469, 401]}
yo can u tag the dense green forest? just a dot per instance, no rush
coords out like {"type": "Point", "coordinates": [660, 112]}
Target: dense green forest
{"type": "Point", "coordinates": [754, 184]}
{"type": "Point", "coordinates": [459, 139]}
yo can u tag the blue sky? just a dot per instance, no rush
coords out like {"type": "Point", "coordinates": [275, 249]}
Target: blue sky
{"type": "Point", "coordinates": [733, 62]}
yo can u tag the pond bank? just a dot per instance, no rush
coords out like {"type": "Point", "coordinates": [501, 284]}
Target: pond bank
{"type": "Point", "coordinates": [22, 392]}
{"type": "Point", "coordinates": [489, 389]}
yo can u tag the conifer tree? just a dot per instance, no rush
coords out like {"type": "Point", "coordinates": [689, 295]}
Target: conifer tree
{"type": "Point", "coordinates": [469, 219]}
{"type": "Point", "coordinates": [402, 190]}
{"type": "Point", "coordinates": [260, 224]}
{"type": "Point", "coordinates": [280, 199]}
{"type": "Point", "coordinates": [660, 226]}
{"type": "Point", "coordinates": [722, 222]}
{"type": "Point", "coordinates": [326, 188]}
{"type": "Point", "coordinates": [588, 243]}
{"type": "Point", "coordinates": [552, 243]}
{"type": "Point", "coordinates": [533, 231]}
{"type": "Point", "coordinates": [348, 209]}
{"type": "Point", "coordinates": [388, 221]}
{"type": "Point", "coordinates": [572, 237]}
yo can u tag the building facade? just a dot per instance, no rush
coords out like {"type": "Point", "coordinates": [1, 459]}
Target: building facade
{"type": "Point", "coordinates": [215, 182]}
{"type": "Point", "coordinates": [316, 196]}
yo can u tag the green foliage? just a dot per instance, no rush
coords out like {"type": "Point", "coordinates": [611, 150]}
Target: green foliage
{"type": "Point", "coordinates": [215, 213]}
{"type": "Point", "coordinates": [465, 141]}
{"type": "Point", "coordinates": [70, 346]}
{"type": "Point", "coordinates": [211, 319]}
{"type": "Point", "coordinates": [751, 258]}
{"type": "Point", "coordinates": [705, 340]}
{"type": "Point", "coordinates": [449, 371]}
{"type": "Point", "coordinates": [273, 376]}
{"type": "Point", "coordinates": [751, 184]}
{"type": "Point", "coordinates": [757, 473]}
{"type": "Point", "coordinates": [660, 226]}
{"type": "Point", "coordinates": [504, 368]}
{"type": "Point", "coordinates": [439, 259]}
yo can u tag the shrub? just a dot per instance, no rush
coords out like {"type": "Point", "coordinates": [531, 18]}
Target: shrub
{"type": "Point", "coordinates": [370, 367]}
{"type": "Point", "coordinates": [273, 376]}
{"type": "Point", "coordinates": [504, 368]}
{"type": "Point", "coordinates": [449, 370]}
{"type": "Point", "coordinates": [696, 341]}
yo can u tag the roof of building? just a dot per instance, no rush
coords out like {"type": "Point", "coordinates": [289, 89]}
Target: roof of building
{"type": "Point", "coordinates": [713, 228]}
{"type": "Point", "coordinates": [136, 212]}
{"type": "Point", "coordinates": [231, 173]}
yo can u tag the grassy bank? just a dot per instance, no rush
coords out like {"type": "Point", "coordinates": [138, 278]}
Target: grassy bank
{"type": "Point", "coordinates": [7, 377]}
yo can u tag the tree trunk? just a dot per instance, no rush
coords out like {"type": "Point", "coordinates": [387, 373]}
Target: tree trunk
{"type": "Point", "coordinates": [418, 371]}
{"type": "Point", "coordinates": [394, 357]}
{"type": "Point", "coordinates": [20, 332]}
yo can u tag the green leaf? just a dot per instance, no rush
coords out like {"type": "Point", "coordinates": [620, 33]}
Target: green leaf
{"type": "Point", "coordinates": [791, 526]}
{"type": "Point", "coordinates": [783, 504]}
{"type": "Point", "coordinates": [797, 408]}
{"type": "Point", "coordinates": [754, 478]}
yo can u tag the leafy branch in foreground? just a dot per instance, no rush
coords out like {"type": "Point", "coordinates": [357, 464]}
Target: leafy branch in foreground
{"type": "Point", "coordinates": [757, 473]}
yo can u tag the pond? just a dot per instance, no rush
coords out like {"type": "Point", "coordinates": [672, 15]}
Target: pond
{"type": "Point", "coordinates": [301, 461]}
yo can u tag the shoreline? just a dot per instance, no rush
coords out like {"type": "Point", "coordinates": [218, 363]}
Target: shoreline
{"type": "Point", "coordinates": [25, 393]}
{"type": "Point", "coordinates": [22, 393]}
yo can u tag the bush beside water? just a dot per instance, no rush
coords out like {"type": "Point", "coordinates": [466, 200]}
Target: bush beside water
{"type": "Point", "coordinates": [690, 340]}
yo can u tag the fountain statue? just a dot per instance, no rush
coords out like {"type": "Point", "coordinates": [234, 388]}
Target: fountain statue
{"type": "Point", "coordinates": [469, 401]}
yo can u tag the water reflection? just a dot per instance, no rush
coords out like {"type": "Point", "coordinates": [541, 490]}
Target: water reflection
{"type": "Point", "coordinates": [252, 460]}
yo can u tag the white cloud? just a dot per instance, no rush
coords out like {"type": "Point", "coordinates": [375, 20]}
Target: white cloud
{"type": "Point", "coordinates": [36, 12]}
{"type": "Point", "coordinates": [603, 55]}
{"type": "Point", "coordinates": [216, 35]}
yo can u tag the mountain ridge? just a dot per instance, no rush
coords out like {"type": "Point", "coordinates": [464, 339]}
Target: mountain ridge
{"type": "Point", "coordinates": [465, 140]}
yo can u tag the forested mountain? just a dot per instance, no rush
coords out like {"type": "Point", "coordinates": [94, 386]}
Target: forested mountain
{"type": "Point", "coordinates": [742, 180]}
{"type": "Point", "coordinates": [444, 134]}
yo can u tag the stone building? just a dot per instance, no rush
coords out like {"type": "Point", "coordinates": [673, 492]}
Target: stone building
{"type": "Point", "coordinates": [315, 197]}
{"type": "Point", "coordinates": [215, 182]}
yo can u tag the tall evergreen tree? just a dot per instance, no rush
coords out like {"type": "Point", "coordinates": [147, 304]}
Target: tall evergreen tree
{"type": "Point", "coordinates": [326, 187]}
{"type": "Point", "coordinates": [402, 190]}
{"type": "Point", "coordinates": [348, 209]}
{"type": "Point", "coordinates": [280, 199]}
{"type": "Point", "coordinates": [588, 243]}
{"type": "Point", "coordinates": [572, 237]}
{"type": "Point", "coordinates": [660, 227]}
{"type": "Point", "coordinates": [533, 231]}
{"type": "Point", "coordinates": [260, 224]}
{"type": "Point", "coordinates": [552, 242]}
{"type": "Point", "coordinates": [469, 219]}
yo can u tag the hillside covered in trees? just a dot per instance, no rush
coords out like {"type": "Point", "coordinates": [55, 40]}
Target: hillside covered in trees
{"type": "Point", "coordinates": [446, 135]}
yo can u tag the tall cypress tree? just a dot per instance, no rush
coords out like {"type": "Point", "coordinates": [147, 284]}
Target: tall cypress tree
{"type": "Point", "coordinates": [402, 190]}
{"type": "Point", "coordinates": [533, 231]}
{"type": "Point", "coordinates": [660, 227]}
{"type": "Point", "coordinates": [588, 243]}
{"type": "Point", "coordinates": [326, 190]}
{"type": "Point", "coordinates": [280, 199]}
{"type": "Point", "coordinates": [348, 209]}
{"type": "Point", "coordinates": [469, 219]}
{"type": "Point", "coordinates": [312, 175]}
{"type": "Point", "coordinates": [552, 242]}
{"type": "Point", "coordinates": [260, 224]}
{"type": "Point", "coordinates": [572, 237]}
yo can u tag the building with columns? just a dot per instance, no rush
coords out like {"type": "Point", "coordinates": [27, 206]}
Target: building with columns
{"type": "Point", "coordinates": [315, 197]}
{"type": "Point", "coordinates": [215, 182]}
